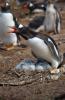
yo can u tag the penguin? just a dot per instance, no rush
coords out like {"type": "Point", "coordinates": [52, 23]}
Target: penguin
{"type": "Point", "coordinates": [8, 22]}
{"type": "Point", "coordinates": [36, 8]}
{"type": "Point", "coordinates": [43, 47]}
{"type": "Point", "coordinates": [7, 25]}
{"type": "Point", "coordinates": [51, 21]}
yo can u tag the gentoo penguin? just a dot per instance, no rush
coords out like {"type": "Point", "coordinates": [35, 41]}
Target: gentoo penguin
{"type": "Point", "coordinates": [36, 8]}
{"type": "Point", "coordinates": [7, 26]}
{"type": "Point", "coordinates": [51, 21]}
{"type": "Point", "coordinates": [43, 47]}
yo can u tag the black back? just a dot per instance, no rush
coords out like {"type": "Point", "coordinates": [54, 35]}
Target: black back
{"type": "Point", "coordinates": [36, 22]}
{"type": "Point", "coordinates": [51, 43]}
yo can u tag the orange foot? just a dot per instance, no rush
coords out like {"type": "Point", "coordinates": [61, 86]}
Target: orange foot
{"type": "Point", "coordinates": [8, 46]}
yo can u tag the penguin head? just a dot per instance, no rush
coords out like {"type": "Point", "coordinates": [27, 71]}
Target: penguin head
{"type": "Point", "coordinates": [31, 6]}
{"type": "Point", "coordinates": [49, 3]}
{"type": "Point", "coordinates": [26, 32]}
{"type": "Point", "coordinates": [5, 7]}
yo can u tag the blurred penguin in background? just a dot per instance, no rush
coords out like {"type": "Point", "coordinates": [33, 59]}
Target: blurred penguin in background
{"type": "Point", "coordinates": [7, 26]}
{"type": "Point", "coordinates": [51, 21]}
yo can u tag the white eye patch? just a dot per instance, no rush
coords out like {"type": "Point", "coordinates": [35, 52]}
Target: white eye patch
{"type": "Point", "coordinates": [20, 26]}
{"type": "Point", "coordinates": [7, 4]}
{"type": "Point", "coordinates": [31, 5]}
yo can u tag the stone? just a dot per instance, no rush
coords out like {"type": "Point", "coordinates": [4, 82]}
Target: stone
{"type": "Point", "coordinates": [54, 70]}
{"type": "Point", "coordinates": [62, 69]}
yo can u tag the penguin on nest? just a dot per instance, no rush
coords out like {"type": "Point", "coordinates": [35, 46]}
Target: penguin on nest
{"type": "Point", "coordinates": [43, 47]}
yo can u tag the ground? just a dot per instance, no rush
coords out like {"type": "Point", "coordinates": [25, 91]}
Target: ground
{"type": "Point", "coordinates": [30, 85]}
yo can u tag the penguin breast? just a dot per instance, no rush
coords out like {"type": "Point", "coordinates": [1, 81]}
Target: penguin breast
{"type": "Point", "coordinates": [6, 21]}
{"type": "Point", "coordinates": [40, 49]}
{"type": "Point", "coordinates": [50, 19]}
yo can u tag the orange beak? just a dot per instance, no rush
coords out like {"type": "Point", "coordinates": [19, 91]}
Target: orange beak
{"type": "Point", "coordinates": [12, 30]}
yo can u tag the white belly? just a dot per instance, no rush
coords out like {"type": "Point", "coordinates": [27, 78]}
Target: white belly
{"type": "Point", "coordinates": [11, 38]}
{"type": "Point", "coordinates": [6, 20]}
{"type": "Point", "coordinates": [50, 19]}
{"type": "Point", "coordinates": [49, 23]}
{"type": "Point", "coordinates": [40, 49]}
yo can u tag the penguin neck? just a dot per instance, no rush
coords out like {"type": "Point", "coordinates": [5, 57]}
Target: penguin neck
{"type": "Point", "coordinates": [5, 10]}
{"type": "Point", "coordinates": [51, 5]}
{"type": "Point", "coordinates": [27, 33]}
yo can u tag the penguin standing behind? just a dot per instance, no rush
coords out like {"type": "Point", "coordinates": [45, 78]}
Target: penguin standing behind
{"type": "Point", "coordinates": [51, 21]}
{"type": "Point", "coordinates": [43, 47]}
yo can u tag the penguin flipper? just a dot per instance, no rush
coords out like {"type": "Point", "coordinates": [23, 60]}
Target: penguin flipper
{"type": "Point", "coordinates": [51, 45]}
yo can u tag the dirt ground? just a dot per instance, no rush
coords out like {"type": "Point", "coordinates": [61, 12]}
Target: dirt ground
{"type": "Point", "coordinates": [30, 85]}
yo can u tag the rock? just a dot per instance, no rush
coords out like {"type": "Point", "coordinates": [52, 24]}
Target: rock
{"type": "Point", "coordinates": [62, 69]}
{"type": "Point", "coordinates": [18, 53]}
{"type": "Point", "coordinates": [54, 70]}
{"type": "Point", "coordinates": [53, 76]}
{"type": "Point", "coordinates": [1, 57]}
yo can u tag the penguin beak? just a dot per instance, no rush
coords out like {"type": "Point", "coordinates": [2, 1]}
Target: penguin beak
{"type": "Point", "coordinates": [13, 30]}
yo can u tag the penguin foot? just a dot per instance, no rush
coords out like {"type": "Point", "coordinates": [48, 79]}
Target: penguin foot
{"type": "Point", "coordinates": [8, 47]}
{"type": "Point", "coordinates": [19, 44]}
